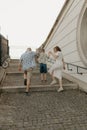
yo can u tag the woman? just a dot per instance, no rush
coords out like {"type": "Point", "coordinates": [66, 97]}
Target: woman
{"type": "Point", "coordinates": [57, 67]}
{"type": "Point", "coordinates": [43, 66]}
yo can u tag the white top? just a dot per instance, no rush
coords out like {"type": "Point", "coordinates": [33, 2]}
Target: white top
{"type": "Point", "coordinates": [57, 67]}
{"type": "Point", "coordinates": [42, 58]}
{"type": "Point", "coordinates": [60, 56]}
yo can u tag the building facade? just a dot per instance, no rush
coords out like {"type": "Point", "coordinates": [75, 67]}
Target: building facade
{"type": "Point", "coordinates": [4, 49]}
{"type": "Point", "coordinates": [70, 33]}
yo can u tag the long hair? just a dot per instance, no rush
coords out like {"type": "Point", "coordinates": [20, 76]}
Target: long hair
{"type": "Point", "coordinates": [42, 50]}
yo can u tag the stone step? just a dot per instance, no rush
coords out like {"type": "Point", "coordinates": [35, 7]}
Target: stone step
{"type": "Point", "coordinates": [16, 79]}
{"type": "Point", "coordinates": [21, 72]}
{"type": "Point", "coordinates": [14, 61]}
{"type": "Point", "coordinates": [14, 69]}
{"type": "Point", "coordinates": [37, 88]}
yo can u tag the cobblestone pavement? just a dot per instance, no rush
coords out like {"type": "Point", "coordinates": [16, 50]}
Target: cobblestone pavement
{"type": "Point", "coordinates": [44, 111]}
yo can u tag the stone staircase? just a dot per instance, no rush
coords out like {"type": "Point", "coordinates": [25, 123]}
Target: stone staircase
{"type": "Point", "coordinates": [13, 81]}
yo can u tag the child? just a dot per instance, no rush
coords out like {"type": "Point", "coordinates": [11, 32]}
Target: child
{"type": "Point", "coordinates": [43, 66]}
{"type": "Point", "coordinates": [57, 67]}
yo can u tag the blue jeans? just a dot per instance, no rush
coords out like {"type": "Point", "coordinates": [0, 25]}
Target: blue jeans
{"type": "Point", "coordinates": [43, 68]}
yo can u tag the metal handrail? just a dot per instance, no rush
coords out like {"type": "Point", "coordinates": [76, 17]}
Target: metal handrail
{"type": "Point", "coordinates": [68, 66]}
{"type": "Point", "coordinates": [77, 68]}
{"type": "Point", "coordinates": [5, 58]}
{"type": "Point", "coordinates": [5, 64]}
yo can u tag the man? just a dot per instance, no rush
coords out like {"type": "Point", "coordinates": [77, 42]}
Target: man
{"type": "Point", "coordinates": [27, 63]}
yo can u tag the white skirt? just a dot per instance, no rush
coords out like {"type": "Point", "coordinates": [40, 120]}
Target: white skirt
{"type": "Point", "coordinates": [56, 70]}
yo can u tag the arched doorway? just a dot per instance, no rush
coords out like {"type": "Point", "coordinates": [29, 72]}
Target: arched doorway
{"type": "Point", "coordinates": [82, 35]}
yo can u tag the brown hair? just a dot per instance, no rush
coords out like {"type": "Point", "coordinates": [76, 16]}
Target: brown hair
{"type": "Point", "coordinates": [57, 48]}
{"type": "Point", "coordinates": [42, 50]}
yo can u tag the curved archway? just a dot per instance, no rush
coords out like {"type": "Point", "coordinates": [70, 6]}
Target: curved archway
{"type": "Point", "coordinates": [82, 35]}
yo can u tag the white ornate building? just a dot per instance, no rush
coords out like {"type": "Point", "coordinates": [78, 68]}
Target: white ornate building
{"type": "Point", "coordinates": [70, 33]}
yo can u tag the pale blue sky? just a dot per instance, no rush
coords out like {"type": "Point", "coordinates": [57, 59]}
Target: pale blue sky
{"type": "Point", "coordinates": [27, 22]}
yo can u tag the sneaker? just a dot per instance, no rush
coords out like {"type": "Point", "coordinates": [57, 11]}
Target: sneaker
{"type": "Point", "coordinates": [45, 80]}
{"type": "Point", "coordinates": [26, 93]}
{"type": "Point", "coordinates": [42, 81]}
{"type": "Point", "coordinates": [53, 82]}
{"type": "Point", "coordinates": [60, 89]}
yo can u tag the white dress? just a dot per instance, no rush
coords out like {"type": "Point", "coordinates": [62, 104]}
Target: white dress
{"type": "Point", "coordinates": [57, 67]}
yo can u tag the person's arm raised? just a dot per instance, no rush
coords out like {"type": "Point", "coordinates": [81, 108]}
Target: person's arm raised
{"type": "Point", "coordinates": [51, 53]}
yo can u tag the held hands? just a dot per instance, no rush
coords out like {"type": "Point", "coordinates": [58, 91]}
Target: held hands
{"type": "Point", "coordinates": [49, 53]}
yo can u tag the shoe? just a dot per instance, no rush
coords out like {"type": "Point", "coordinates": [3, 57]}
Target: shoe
{"type": "Point", "coordinates": [60, 89]}
{"type": "Point", "coordinates": [45, 80]}
{"type": "Point", "coordinates": [53, 82]}
{"type": "Point", "coordinates": [26, 93]}
{"type": "Point", "coordinates": [25, 82]}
